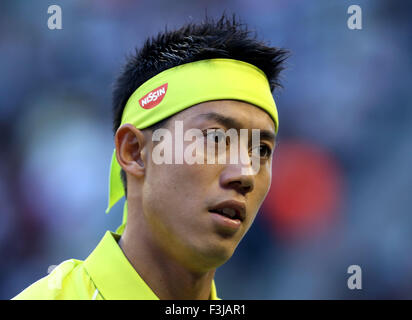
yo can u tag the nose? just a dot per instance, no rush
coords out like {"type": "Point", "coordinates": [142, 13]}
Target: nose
{"type": "Point", "coordinates": [233, 177]}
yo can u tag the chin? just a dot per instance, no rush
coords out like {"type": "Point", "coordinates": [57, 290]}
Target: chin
{"type": "Point", "coordinates": [214, 255]}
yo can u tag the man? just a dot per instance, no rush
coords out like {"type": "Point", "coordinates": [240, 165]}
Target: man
{"type": "Point", "coordinates": [182, 218]}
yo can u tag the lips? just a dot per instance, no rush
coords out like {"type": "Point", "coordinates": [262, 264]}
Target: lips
{"type": "Point", "coordinates": [231, 209]}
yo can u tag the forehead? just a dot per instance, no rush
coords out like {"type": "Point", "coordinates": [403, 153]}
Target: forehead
{"type": "Point", "coordinates": [248, 116]}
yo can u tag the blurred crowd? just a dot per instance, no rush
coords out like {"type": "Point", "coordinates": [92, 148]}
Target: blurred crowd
{"type": "Point", "coordinates": [342, 183]}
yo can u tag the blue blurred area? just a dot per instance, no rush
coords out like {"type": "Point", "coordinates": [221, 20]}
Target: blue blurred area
{"type": "Point", "coordinates": [345, 91]}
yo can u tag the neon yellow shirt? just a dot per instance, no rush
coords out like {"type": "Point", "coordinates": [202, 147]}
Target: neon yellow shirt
{"type": "Point", "coordinates": [106, 274]}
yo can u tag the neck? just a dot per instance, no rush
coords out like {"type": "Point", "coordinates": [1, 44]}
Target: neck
{"type": "Point", "coordinates": [168, 278]}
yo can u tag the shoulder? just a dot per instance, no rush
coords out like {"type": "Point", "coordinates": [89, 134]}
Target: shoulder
{"type": "Point", "coordinates": [68, 280]}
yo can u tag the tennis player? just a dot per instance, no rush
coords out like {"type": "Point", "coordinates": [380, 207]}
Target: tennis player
{"type": "Point", "coordinates": [181, 219]}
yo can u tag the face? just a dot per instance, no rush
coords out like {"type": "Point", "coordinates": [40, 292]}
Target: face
{"type": "Point", "coordinates": [183, 204]}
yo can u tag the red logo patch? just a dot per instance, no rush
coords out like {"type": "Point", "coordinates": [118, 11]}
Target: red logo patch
{"type": "Point", "coordinates": [154, 97]}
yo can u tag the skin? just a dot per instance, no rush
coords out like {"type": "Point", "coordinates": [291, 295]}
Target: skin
{"type": "Point", "coordinates": [170, 237]}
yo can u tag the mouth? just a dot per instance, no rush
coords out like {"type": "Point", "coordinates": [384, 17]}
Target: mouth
{"type": "Point", "coordinates": [231, 209]}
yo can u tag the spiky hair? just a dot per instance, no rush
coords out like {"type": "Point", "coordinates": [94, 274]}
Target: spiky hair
{"type": "Point", "coordinates": [223, 38]}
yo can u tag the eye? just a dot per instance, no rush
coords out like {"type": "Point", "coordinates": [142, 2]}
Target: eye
{"type": "Point", "coordinates": [263, 150]}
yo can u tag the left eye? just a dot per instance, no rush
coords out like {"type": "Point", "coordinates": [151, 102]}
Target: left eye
{"type": "Point", "coordinates": [263, 150]}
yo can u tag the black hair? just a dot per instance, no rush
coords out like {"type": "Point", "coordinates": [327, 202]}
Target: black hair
{"type": "Point", "coordinates": [223, 38]}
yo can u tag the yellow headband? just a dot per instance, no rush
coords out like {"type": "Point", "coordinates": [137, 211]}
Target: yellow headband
{"type": "Point", "coordinates": [181, 87]}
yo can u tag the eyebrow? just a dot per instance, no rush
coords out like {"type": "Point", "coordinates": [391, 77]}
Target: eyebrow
{"type": "Point", "coordinates": [230, 122]}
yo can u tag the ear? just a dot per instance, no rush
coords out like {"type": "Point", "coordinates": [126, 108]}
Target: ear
{"type": "Point", "coordinates": [130, 146]}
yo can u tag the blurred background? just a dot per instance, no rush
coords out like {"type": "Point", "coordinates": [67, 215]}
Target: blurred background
{"type": "Point", "coordinates": [341, 193]}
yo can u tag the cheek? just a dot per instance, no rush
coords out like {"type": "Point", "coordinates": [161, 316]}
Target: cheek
{"type": "Point", "coordinates": [263, 182]}
{"type": "Point", "coordinates": [267, 175]}
{"type": "Point", "coordinates": [267, 181]}
{"type": "Point", "coordinates": [176, 187]}
{"type": "Point", "coordinates": [161, 201]}
{"type": "Point", "coordinates": [194, 181]}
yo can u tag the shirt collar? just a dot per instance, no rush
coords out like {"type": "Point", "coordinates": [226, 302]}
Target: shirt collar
{"type": "Point", "coordinates": [115, 277]}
